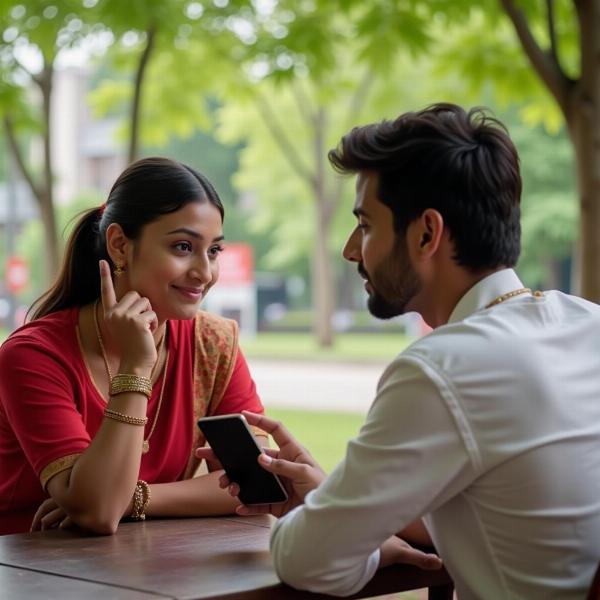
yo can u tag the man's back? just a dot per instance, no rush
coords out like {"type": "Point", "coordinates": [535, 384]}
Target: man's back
{"type": "Point", "coordinates": [522, 381]}
{"type": "Point", "coordinates": [489, 427]}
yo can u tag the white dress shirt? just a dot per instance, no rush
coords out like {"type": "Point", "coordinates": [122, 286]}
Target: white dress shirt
{"type": "Point", "coordinates": [489, 427]}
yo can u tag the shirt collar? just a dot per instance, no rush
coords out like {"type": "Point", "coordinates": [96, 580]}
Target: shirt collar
{"type": "Point", "coordinates": [484, 292]}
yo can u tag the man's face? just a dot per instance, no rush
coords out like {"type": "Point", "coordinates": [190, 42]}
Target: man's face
{"type": "Point", "coordinates": [382, 256]}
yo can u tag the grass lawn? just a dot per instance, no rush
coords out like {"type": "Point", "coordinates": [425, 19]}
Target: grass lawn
{"type": "Point", "coordinates": [324, 434]}
{"type": "Point", "coordinates": [303, 346]}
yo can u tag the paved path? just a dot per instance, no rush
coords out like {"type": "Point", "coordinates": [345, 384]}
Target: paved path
{"type": "Point", "coordinates": [316, 385]}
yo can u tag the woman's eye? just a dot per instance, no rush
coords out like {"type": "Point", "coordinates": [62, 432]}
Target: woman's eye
{"type": "Point", "coordinates": [183, 246]}
{"type": "Point", "coordinates": [214, 251]}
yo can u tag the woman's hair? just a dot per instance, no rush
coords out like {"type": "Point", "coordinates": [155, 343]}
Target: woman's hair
{"type": "Point", "coordinates": [146, 190]}
{"type": "Point", "coordinates": [462, 164]}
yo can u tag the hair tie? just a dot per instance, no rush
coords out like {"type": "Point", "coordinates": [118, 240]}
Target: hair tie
{"type": "Point", "coordinates": [102, 208]}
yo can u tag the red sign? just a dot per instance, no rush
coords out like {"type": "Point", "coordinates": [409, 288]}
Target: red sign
{"type": "Point", "coordinates": [236, 265]}
{"type": "Point", "coordinates": [16, 274]}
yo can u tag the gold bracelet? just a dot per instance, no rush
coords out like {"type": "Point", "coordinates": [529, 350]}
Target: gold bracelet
{"type": "Point", "coordinates": [141, 498]}
{"type": "Point", "coordinates": [123, 418]}
{"type": "Point", "coordinates": [123, 383]}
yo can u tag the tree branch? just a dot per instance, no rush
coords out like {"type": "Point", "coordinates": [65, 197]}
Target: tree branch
{"type": "Point", "coordinates": [547, 68]}
{"type": "Point", "coordinates": [281, 138]}
{"type": "Point", "coordinates": [137, 93]}
{"type": "Point", "coordinates": [18, 155]}
{"type": "Point", "coordinates": [303, 102]}
{"type": "Point", "coordinates": [25, 70]}
{"type": "Point", "coordinates": [359, 97]}
{"type": "Point", "coordinates": [355, 106]}
{"type": "Point", "coordinates": [552, 30]}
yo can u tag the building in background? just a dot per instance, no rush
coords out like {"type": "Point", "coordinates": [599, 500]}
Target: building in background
{"type": "Point", "coordinates": [86, 154]}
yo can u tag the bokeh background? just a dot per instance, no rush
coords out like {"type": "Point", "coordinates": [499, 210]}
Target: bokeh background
{"type": "Point", "coordinates": [253, 94]}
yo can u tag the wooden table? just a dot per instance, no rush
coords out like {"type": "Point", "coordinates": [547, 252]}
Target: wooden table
{"type": "Point", "coordinates": [210, 558]}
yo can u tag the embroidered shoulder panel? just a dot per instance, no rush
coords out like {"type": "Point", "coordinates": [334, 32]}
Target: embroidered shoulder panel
{"type": "Point", "coordinates": [216, 344]}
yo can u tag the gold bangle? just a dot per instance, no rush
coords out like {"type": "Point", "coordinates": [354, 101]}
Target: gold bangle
{"type": "Point", "coordinates": [123, 418]}
{"type": "Point", "coordinates": [123, 383]}
{"type": "Point", "coordinates": [141, 498]}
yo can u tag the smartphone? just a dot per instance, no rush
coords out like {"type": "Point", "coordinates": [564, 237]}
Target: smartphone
{"type": "Point", "coordinates": [234, 445]}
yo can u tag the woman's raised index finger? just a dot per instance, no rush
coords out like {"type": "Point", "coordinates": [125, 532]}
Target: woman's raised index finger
{"type": "Point", "coordinates": [107, 290]}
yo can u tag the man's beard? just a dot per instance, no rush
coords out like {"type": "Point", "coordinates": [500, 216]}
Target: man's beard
{"type": "Point", "coordinates": [394, 283]}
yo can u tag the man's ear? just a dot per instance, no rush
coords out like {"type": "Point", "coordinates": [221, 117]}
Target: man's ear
{"type": "Point", "coordinates": [117, 244]}
{"type": "Point", "coordinates": [427, 233]}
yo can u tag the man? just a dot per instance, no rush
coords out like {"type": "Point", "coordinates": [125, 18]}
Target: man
{"type": "Point", "coordinates": [487, 430]}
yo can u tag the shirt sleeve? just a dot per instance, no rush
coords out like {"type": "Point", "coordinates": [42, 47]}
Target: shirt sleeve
{"type": "Point", "coordinates": [37, 394]}
{"type": "Point", "coordinates": [408, 459]}
{"type": "Point", "coordinates": [241, 391]}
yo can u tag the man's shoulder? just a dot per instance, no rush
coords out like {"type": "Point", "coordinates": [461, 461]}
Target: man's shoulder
{"type": "Point", "coordinates": [510, 335]}
{"type": "Point", "coordinates": [454, 338]}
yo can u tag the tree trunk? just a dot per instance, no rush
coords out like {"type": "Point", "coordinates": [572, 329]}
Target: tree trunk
{"type": "Point", "coordinates": [53, 249]}
{"type": "Point", "coordinates": [41, 190]}
{"type": "Point", "coordinates": [134, 140]}
{"type": "Point", "coordinates": [45, 196]}
{"type": "Point", "coordinates": [579, 102]}
{"type": "Point", "coordinates": [587, 152]}
{"type": "Point", "coordinates": [583, 119]}
{"type": "Point", "coordinates": [322, 280]}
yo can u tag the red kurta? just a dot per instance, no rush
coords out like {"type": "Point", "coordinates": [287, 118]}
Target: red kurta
{"type": "Point", "coordinates": [50, 408]}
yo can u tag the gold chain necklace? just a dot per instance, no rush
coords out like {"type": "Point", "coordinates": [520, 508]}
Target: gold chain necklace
{"type": "Point", "coordinates": [146, 443]}
{"type": "Point", "coordinates": [512, 294]}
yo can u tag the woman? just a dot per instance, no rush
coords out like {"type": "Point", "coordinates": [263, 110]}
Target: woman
{"type": "Point", "coordinates": [101, 390]}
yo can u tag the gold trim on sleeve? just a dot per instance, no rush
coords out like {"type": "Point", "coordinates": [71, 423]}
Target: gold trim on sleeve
{"type": "Point", "coordinates": [57, 466]}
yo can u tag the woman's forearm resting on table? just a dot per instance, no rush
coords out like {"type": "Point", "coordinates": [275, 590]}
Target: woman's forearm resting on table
{"type": "Point", "coordinates": [200, 496]}
{"type": "Point", "coordinates": [97, 491]}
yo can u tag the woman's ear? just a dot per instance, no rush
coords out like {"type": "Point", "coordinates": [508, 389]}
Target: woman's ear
{"type": "Point", "coordinates": [117, 244]}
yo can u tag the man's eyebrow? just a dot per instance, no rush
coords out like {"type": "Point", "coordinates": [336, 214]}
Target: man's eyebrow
{"type": "Point", "coordinates": [194, 234]}
{"type": "Point", "coordinates": [359, 212]}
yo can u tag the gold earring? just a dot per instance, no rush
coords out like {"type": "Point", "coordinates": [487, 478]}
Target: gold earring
{"type": "Point", "coordinates": [119, 269]}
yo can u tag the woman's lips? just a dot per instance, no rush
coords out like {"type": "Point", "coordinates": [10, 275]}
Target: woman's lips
{"type": "Point", "coordinates": [193, 294]}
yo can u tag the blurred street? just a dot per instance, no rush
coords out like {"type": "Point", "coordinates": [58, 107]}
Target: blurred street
{"type": "Point", "coordinates": [346, 387]}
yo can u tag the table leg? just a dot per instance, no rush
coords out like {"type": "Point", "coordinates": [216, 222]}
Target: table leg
{"type": "Point", "coordinates": [441, 592]}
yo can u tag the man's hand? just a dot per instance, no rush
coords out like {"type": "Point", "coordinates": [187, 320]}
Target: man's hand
{"type": "Point", "coordinates": [395, 550]}
{"type": "Point", "coordinates": [298, 470]}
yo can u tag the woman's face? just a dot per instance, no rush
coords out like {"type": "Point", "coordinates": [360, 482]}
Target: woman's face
{"type": "Point", "coordinates": [174, 262]}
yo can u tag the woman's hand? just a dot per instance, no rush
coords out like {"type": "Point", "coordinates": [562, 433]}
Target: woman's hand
{"type": "Point", "coordinates": [49, 516]}
{"type": "Point", "coordinates": [130, 323]}
{"type": "Point", "coordinates": [297, 469]}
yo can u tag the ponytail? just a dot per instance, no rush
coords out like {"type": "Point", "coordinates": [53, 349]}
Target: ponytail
{"type": "Point", "coordinates": [78, 282]}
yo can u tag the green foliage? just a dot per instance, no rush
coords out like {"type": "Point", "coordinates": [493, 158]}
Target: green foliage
{"type": "Point", "coordinates": [30, 244]}
{"type": "Point", "coordinates": [285, 204]}
{"type": "Point", "coordinates": [550, 212]}
{"type": "Point", "coordinates": [415, 53]}
{"type": "Point", "coordinates": [494, 63]}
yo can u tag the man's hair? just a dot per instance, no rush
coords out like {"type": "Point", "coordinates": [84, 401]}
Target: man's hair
{"type": "Point", "coordinates": [462, 164]}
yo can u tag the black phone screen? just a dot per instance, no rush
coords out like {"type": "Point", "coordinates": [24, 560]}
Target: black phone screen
{"type": "Point", "coordinates": [234, 445]}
